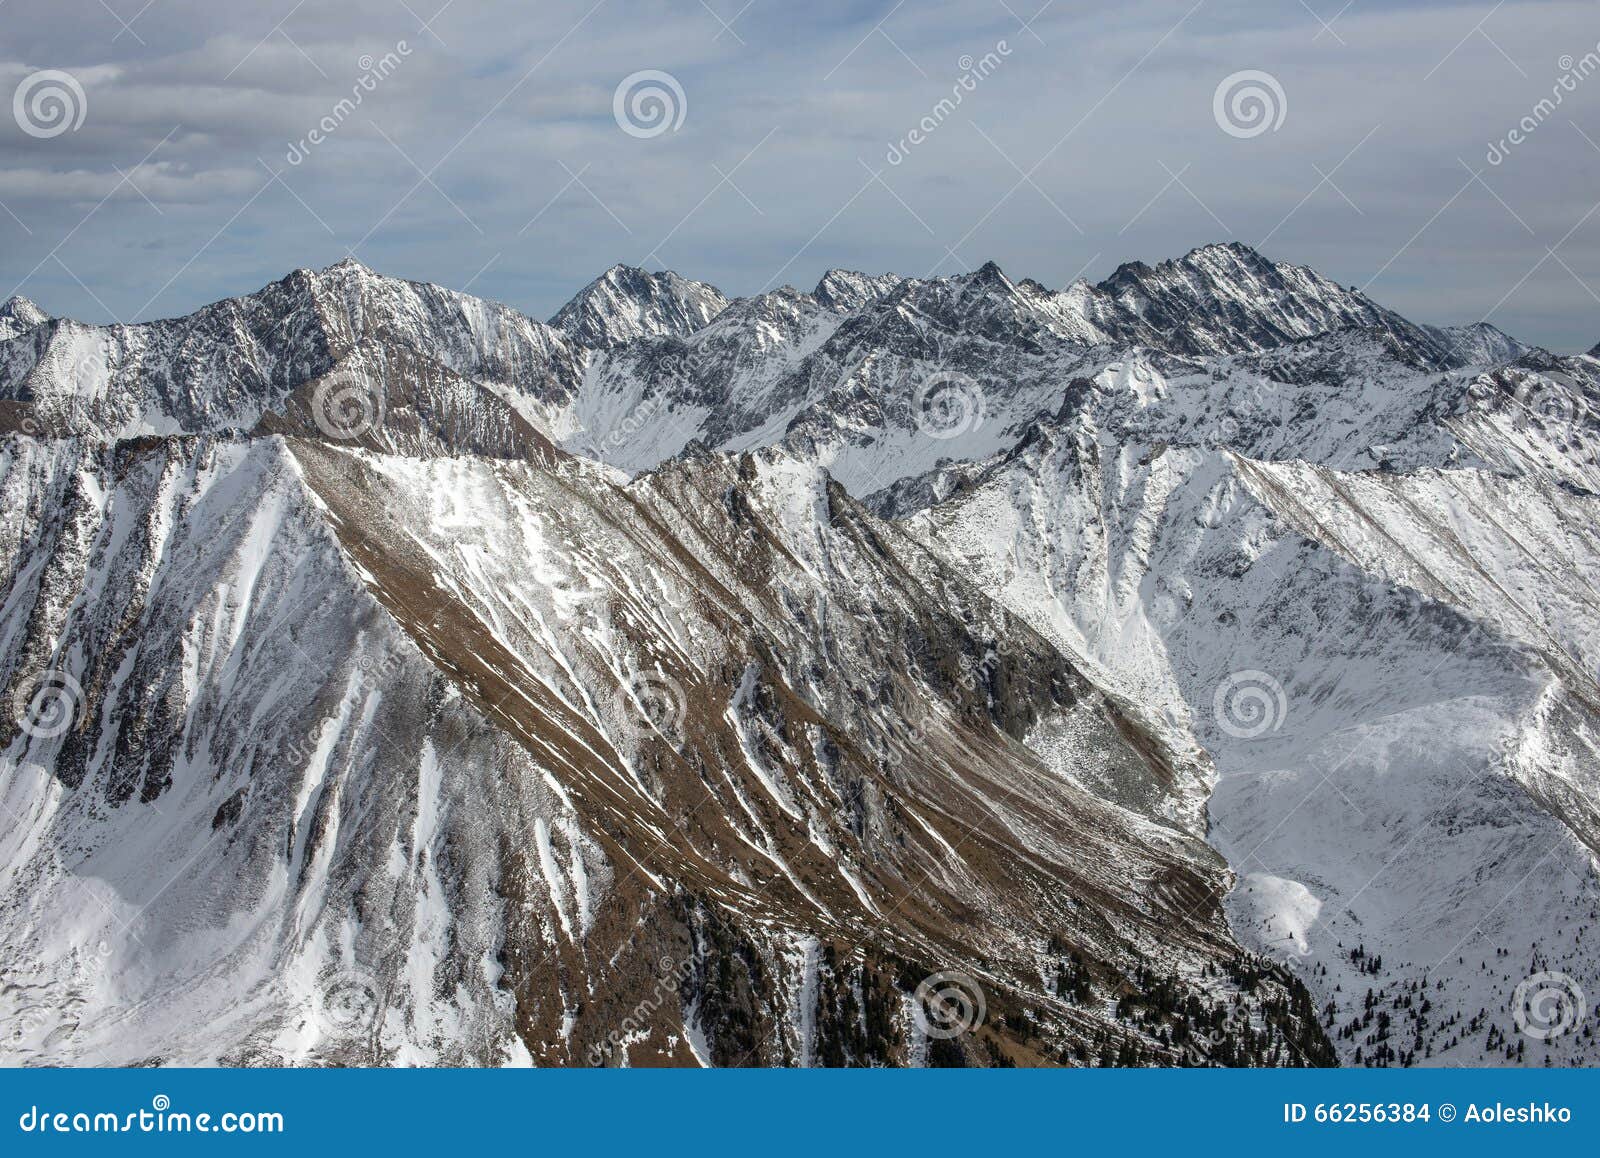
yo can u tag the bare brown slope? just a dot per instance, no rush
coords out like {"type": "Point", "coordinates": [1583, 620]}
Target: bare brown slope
{"type": "Point", "coordinates": [843, 769]}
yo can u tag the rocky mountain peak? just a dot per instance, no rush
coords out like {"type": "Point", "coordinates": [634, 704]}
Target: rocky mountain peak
{"type": "Point", "coordinates": [18, 315]}
{"type": "Point", "coordinates": [1228, 298]}
{"type": "Point", "coordinates": [845, 289]}
{"type": "Point", "coordinates": [626, 302]}
{"type": "Point", "coordinates": [960, 581]}
{"type": "Point", "coordinates": [989, 273]}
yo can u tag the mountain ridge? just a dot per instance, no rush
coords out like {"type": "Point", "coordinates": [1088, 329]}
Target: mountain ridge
{"type": "Point", "coordinates": [818, 644]}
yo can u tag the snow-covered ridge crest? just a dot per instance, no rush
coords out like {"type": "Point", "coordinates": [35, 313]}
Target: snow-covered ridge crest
{"type": "Point", "coordinates": [460, 755]}
{"type": "Point", "coordinates": [626, 303]}
{"type": "Point", "coordinates": [732, 375]}
{"type": "Point", "coordinates": [1213, 559]}
{"type": "Point", "coordinates": [19, 315]}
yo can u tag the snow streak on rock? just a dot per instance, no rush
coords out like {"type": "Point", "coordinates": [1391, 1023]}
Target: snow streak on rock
{"type": "Point", "coordinates": [1158, 666]}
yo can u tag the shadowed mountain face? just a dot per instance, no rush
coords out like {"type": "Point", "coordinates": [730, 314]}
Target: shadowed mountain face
{"type": "Point", "coordinates": [903, 672]}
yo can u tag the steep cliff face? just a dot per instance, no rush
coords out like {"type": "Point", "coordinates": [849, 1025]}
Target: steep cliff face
{"type": "Point", "coordinates": [942, 671]}
{"type": "Point", "coordinates": [333, 755]}
{"type": "Point", "coordinates": [1392, 686]}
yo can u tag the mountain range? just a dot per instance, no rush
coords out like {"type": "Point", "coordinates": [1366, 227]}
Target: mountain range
{"type": "Point", "coordinates": [1198, 667]}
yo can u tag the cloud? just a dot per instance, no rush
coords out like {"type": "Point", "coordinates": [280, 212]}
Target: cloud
{"type": "Point", "coordinates": [491, 151]}
{"type": "Point", "coordinates": [163, 183]}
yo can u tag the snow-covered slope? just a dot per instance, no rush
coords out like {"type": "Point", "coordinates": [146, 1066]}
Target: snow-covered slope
{"type": "Point", "coordinates": [1393, 680]}
{"type": "Point", "coordinates": [19, 315]}
{"type": "Point", "coordinates": [340, 756]}
{"type": "Point", "coordinates": [225, 366]}
{"type": "Point", "coordinates": [448, 686]}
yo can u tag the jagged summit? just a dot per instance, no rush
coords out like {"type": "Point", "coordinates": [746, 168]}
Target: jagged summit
{"type": "Point", "coordinates": [846, 289]}
{"type": "Point", "coordinates": [18, 315]}
{"type": "Point", "coordinates": [349, 263]}
{"type": "Point", "coordinates": [989, 273]}
{"type": "Point", "coordinates": [626, 303]}
{"type": "Point", "coordinates": [801, 647]}
{"type": "Point", "coordinates": [707, 367]}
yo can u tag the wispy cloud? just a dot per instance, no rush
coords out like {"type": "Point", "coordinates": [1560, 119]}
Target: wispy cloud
{"type": "Point", "coordinates": [459, 162]}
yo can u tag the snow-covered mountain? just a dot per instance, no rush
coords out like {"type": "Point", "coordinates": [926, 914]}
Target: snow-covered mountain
{"type": "Point", "coordinates": [225, 366]}
{"type": "Point", "coordinates": [625, 303]}
{"type": "Point", "coordinates": [18, 315]}
{"type": "Point", "coordinates": [400, 679]}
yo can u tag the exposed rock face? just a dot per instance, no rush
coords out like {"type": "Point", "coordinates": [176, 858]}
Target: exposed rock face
{"type": "Point", "coordinates": [399, 679]}
{"type": "Point", "coordinates": [625, 303]}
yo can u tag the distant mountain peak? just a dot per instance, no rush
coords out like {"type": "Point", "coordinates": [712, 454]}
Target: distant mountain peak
{"type": "Point", "coordinates": [19, 315]}
{"type": "Point", "coordinates": [343, 269]}
{"type": "Point", "coordinates": [626, 303]}
{"type": "Point", "coordinates": [847, 289]}
{"type": "Point", "coordinates": [1227, 297]}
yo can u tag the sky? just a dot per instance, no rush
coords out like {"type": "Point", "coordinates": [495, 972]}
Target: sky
{"type": "Point", "coordinates": [161, 154]}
